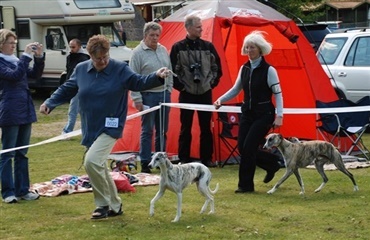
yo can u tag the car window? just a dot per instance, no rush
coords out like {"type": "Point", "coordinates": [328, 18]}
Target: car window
{"type": "Point", "coordinates": [314, 33]}
{"type": "Point", "coordinates": [359, 53]}
{"type": "Point", "coordinates": [330, 49]}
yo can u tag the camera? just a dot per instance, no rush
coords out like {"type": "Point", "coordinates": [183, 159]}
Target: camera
{"type": "Point", "coordinates": [34, 47]}
{"type": "Point", "coordinates": [195, 69]}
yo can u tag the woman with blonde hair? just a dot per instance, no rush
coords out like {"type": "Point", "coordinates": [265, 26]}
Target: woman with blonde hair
{"type": "Point", "coordinates": [17, 113]}
{"type": "Point", "coordinates": [259, 81]}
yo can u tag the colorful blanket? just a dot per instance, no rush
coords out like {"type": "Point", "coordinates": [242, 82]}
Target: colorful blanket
{"type": "Point", "coordinates": [70, 184]}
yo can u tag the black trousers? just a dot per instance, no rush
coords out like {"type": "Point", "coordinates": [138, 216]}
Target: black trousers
{"type": "Point", "coordinates": [253, 128]}
{"type": "Point", "coordinates": [204, 119]}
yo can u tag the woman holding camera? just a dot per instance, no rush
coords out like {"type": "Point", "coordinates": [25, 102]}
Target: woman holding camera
{"type": "Point", "coordinates": [198, 69]}
{"type": "Point", "coordinates": [17, 113]}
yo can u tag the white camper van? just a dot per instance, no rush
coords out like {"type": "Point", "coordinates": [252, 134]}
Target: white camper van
{"type": "Point", "coordinates": [55, 22]}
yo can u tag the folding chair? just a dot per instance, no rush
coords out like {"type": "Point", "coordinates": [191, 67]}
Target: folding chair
{"type": "Point", "coordinates": [351, 125]}
{"type": "Point", "coordinates": [228, 135]}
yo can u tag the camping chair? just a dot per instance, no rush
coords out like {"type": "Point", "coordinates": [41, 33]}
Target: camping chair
{"type": "Point", "coordinates": [228, 135]}
{"type": "Point", "coordinates": [351, 125]}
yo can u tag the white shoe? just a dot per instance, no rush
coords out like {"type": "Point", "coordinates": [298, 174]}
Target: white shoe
{"type": "Point", "coordinates": [30, 196]}
{"type": "Point", "coordinates": [10, 199]}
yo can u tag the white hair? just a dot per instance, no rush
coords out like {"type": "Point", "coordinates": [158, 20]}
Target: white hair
{"type": "Point", "coordinates": [257, 38]}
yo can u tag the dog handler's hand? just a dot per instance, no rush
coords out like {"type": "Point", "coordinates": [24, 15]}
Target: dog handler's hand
{"type": "Point", "coordinates": [44, 109]}
{"type": "Point", "coordinates": [278, 121]}
{"type": "Point", "coordinates": [217, 104]}
{"type": "Point", "coordinates": [163, 72]}
{"type": "Point", "coordinates": [139, 106]}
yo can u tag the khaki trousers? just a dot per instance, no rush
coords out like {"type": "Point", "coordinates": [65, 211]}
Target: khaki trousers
{"type": "Point", "coordinates": [96, 166]}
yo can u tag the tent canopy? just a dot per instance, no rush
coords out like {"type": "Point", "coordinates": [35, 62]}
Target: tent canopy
{"type": "Point", "coordinates": [225, 23]}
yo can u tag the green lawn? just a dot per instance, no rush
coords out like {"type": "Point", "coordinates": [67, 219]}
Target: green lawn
{"type": "Point", "coordinates": [335, 213]}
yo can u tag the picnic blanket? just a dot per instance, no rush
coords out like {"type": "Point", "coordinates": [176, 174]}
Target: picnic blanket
{"type": "Point", "coordinates": [70, 184]}
{"type": "Point", "coordinates": [63, 185]}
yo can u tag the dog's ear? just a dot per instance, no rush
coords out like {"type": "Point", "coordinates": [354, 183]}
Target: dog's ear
{"type": "Point", "coordinates": [280, 136]}
{"type": "Point", "coordinates": [168, 164]}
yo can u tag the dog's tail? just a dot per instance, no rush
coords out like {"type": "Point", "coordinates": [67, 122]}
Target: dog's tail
{"type": "Point", "coordinates": [214, 191]}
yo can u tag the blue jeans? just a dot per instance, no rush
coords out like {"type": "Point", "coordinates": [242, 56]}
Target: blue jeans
{"type": "Point", "coordinates": [72, 115]}
{"type": "Point", "coordinates": [15, 136]}
{"type": "Point", "coordinates": [154, 119]}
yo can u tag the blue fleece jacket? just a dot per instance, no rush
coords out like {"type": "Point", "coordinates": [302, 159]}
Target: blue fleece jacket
{"type": "Point", "coordinates": [16, 105]}
{"type": "Point", "coordinates": [102, 96]}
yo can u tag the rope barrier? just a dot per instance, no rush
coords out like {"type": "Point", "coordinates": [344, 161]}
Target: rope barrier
{"type": "Point", "coordinates": [202, 107]}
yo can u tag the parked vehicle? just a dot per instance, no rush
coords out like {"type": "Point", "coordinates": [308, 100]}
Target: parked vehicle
{"type": "Point", "coordinates": [55, 22]}
{"type": "Point", "coordinates": [345, 57]}
{"type": "Point", "coordinates": [333, 25]}
{"type": "Point", "coordinates": [314, 33]}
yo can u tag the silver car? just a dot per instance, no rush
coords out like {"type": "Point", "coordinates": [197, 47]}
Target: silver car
{"type": "Point", "coordinates": [345, 57]}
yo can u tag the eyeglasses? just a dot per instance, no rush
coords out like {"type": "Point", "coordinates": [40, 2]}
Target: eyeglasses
{"type": "Point", "coordinates": [100, 59]}
{"type": "Point", "coordinates": [11, 43]}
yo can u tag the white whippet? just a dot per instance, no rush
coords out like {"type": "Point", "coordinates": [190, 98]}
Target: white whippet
{"type": "Point", "coordinates": [178, 177]}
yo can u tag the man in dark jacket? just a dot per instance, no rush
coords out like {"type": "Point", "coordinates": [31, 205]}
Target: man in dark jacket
{"type": "Point", "coordinates": [76, 56]}
{"type": "Point", "coordinates": [198, 69]}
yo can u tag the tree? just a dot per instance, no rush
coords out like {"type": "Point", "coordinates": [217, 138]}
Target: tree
{"type": "Point", "coordinates": [305, 10]}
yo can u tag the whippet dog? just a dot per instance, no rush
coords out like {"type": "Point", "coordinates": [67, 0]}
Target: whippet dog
{"type": "Point", "coordinates": [178, 177]}
{"type": "Point", "coordinates": [300, 154]}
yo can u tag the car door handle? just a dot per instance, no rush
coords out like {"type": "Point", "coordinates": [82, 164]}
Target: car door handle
{"type": "Point", "coordinates": [342, 74]}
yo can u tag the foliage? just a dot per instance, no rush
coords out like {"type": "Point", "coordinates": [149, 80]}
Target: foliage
{"type": "Point", "coordinates": [295, 9]}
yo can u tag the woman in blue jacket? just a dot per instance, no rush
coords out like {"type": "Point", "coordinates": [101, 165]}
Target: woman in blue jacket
{"type": "Point", "coordinates": [17, 113]}
{"type": "Point", "coordinates": [102, 84]}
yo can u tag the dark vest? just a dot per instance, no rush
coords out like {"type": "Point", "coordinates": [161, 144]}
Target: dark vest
{"type": "Point", "coordinates": [257, 93]}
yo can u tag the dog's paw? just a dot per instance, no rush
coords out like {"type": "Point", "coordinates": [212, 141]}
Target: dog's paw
{"type": "Point", "coordinates": [175, 220]}
{"type": "Point", "coordinates": [356, 188]}
{"type": "Point", "coordinates": [151, 212]}
{"type": "Point", "coordinates": [211, 212]}
{"type": "Point", "coordinates": [271, 191]}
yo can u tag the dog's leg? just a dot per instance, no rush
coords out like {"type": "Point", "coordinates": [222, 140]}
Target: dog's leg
{"type": "Point", "coordinates": [342, 168]}
{"type": "Point", "coordinates": [156, 197]}
{"type": "Point", "coordinates": [300, 181]}
{"type": "Point", "coordinates": [179, 203]}
{"type": "Point", "coordinates": [285, 177]}
{"type": "Point", "coordinates": [320, 168]}
{"type": "Point", "coordinates": [205, 191]}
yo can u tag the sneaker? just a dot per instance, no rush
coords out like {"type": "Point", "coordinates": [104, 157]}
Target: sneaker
{"type": "Point", "coordinates": [10, 199]}
{"type": "Point", "coordinates": [30, 196]}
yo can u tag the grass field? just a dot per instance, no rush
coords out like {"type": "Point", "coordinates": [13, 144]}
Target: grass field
{"type": "Point", "coordinates": [335, 213]}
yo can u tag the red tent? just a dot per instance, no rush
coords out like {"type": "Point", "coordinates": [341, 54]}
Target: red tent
{"type": "Point", "coordinates": [226, 23]}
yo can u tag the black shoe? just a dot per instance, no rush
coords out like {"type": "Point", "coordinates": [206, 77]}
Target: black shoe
{"type": "Point", "coordinates": [100, 212]}
{"type": "Point", "coordinates": [184, 161]}
{"type": "Point", "coordinates": [112, 213]}
{"type": "Point", "coordinates": [146, 170]}
{"type": "Point", "coordinates": [240, 190]}
{"type": "Point", "coordinates": [270, 175]}
{"type": "Point", "coordinates": [209, 164]}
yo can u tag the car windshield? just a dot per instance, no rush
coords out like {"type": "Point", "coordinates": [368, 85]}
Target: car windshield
{"type": "Point", "coordinates": [330, 49]}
